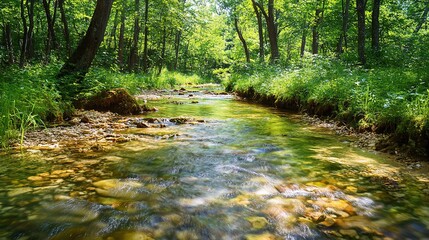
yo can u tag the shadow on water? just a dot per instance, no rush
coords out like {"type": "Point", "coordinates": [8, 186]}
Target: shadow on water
{"type": "Point", "coordinates": [246, 173]}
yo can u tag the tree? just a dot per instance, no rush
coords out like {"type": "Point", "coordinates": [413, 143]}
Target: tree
{"type": "Point", "coordinates": [79, 63]}
{"type": "Point", "coordinates": [260, 32]}
{"type": "Point", "coordinates": [375, 30]}
{"type": "Point", "coordinates": [270, 19]}
{"type": "Point", "coordinates": [132, 64]}
{"type": "Point", "coordinates": [360, 9]}
{"type": "Point", "coordinates": [243, 41]}
{"type": "Point", "coordinates": [345, 25]}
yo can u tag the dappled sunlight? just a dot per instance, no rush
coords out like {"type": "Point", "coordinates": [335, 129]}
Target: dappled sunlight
{"type": "Point", "coordinates": [244, 172]}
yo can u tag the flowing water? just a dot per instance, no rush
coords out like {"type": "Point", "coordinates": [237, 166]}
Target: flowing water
{"type": "Point", "coordinates": [247, 172]}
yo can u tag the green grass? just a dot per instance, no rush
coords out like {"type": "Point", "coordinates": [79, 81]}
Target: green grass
{"type": "Point", "coordinates": [29, 97]}
{"type": "Point", "coordinates": [384, 99]}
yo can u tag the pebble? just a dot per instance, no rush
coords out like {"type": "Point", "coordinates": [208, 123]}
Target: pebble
{"type": "Point", "coordinates": [35, 178]}
{"type": "Point", "coordinates": [257, 222]}
{"type": "Point", "coordinates": [349, 233]}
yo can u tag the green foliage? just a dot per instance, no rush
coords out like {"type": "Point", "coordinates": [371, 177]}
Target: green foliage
{"type": "Point", "coordinates": [384, 99]}
{"type": "Point", "coordinates": [28, 98]}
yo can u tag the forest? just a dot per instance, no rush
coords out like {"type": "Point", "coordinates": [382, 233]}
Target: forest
{"type": "Point", "coordinates": [363, 63]}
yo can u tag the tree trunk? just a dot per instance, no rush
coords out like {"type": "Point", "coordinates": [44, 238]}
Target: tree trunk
{"type": "Point", "coordinates": [132, 64]}
{"type": "Point", "coordinates": [8, 43]}
{"type": "Point", "coordinates": [271, 28]}
{"type": "Point", "coordinates": [303, 40]}
{"type": "Point", "coordinates": [375, 30]}
{"type": "Point", "coordinates": [66, 31]}
{"type": "Point", "coordinates": [51, 32]}
{"type": "Point", "coordinates": [146, 34]}
{"type": "Point", "coordinates": [30, 35]}
{"type": "Point", "coordinates": [423, 19]}
{"type": "Point", "coordinates": [243, 41]}
{"type": "Point", "coordinates": [161, 60]}
{"type": "Point", "coordinates": [177, 48]}
{"type": "Point", "coordinates": [360, 8]}
{"type": "Point", "coordinates": [260, 33]}
{"type": "Point", "coordinates": [315, 43]}
{"type": "Point", "coordinates": [79, 63]}
{"type": "Point", "coordinates": [121, 42]}
{"type": "Point", "coordinates": [113, 32]}
{"type": "Point", "coordinates": [345, 26]}
{"type": "Point", "coordinates": [22, 58]}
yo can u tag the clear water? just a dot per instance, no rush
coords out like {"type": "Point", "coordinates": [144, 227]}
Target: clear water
{"type": "Point", "coordinates": [248, 172]}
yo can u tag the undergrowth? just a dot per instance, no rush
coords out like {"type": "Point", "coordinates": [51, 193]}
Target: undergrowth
{"type": "Point", "coordinates": [384, 100]}
{"type": "Point", "coordinates": [29, 97]}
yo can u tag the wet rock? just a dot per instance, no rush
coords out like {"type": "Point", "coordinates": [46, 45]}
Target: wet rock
{"type": "Point", "coordinates": [35, 178]}
{"type": "Point", "coordinates": [328, 222]}
{"type": "Point", "coordinates": [351, 189]}
{"type": "Point", "coordinates": [257, 222]}
{"type": "Point", "coordinates": [316, 217]}
{"type": "Point", "coordinates": [241, 200]}
{"type": "Point", "coordinates": [19, 191]}
{"type": "Point", "coordinates": [116, 188]}
{"type": "Point", "coordinates": [186, 235]}
{"type": "Point", "coordinates": [263, 236]}
{"type": "Point", "coordinates": [131, 235]}
{"type": "Point", "coordinates": [85, 119]}
{"type": "Point", "coordinates": [146, 108]}
{"type": "Point", "coordinates": [349, 233]}
{"type": "Point", "coordinates": [140, 124]}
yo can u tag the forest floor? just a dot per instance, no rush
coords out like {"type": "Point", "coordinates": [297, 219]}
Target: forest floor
{"type": "Point", "coordinates": [92, 131]}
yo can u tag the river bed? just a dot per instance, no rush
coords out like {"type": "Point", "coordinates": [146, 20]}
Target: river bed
{"type": "Point", "coordinates": [212, 167]}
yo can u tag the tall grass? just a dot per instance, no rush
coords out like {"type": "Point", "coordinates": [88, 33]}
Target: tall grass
{"type": "Point", "coordinates": [383, 99]}
{"type": "Point", "coordinates": [27, 98]}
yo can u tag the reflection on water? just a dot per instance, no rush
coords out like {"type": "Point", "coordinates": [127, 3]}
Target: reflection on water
{"type": "Point", "coordinates": [246, 173]}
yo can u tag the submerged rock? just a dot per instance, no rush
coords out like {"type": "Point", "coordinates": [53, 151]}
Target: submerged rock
{"type": "Point", "coordinates": [257, 222]}
{"type": "Point", "coordinates": [117, 188]}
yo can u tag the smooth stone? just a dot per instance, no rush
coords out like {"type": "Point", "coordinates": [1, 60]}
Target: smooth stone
{"type": "Point", "coordinates": [186, 235]}
{"type": "Point", "coordinates": [19, 191]}
{"type": "Point", "coordinates": [349, 233]}
{"type": "Point", "coordinates": [241, 200]}
{"type": "Point", "coordinates": [351, 189]}
{"type": "Point", "coordinates": [263, 236]}
{"type": "Point", "coordinates": [35, 178]}
{"type": "Point", "coordinates": [328, 222]}
{"type": "Point", "coordinates": [257, 222]}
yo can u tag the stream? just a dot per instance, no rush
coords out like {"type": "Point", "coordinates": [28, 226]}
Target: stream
{"type": "Point", "coordinates": [229, 170]}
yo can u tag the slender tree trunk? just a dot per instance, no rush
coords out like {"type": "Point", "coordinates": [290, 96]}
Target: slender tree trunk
{"type": "Point", "coordinates": [22, 58]}
{"type": "Point", "coordinates": [303, 40]}
{"type": "Point", "coordinates": [260, 32]}
{"type": "Point", "coordinates": [177, 48]}
{"type": "Point", "coordinates": [121, 42]}
{"type": "Point", "coordinates": [8, 43]}
{"type": "Point", "coordinates": [113, 33]}
{"type": "Point", "coordinates": [345, 26]}
{"type": "Point", "coordinates": [161, 60]}
{"type": "Point", "coordinates": [271, 28]}
{"type": "Point", "coordinates": [243, 41]}
{"type": "Point", "coordinates": [423, 19]}
{"type": "Point", "coordinates": [146, 34]}
{"type": "Point", "coordinates": [66, 31]}
{"type": "Point", "coordinates": [50, 42]}
{"type": "Point", "coordinates": [315, 43]}
{"type": "Point", "coordinates": [30, 35]}
{"type": "Point", "coordinates": [132, 64]}
{"type": "Point", "coordinates": [360, 8]}
{"type": "Point", "coordinates": [79, 63]}
{"type": "Point", "coordinates": [375, 30]}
